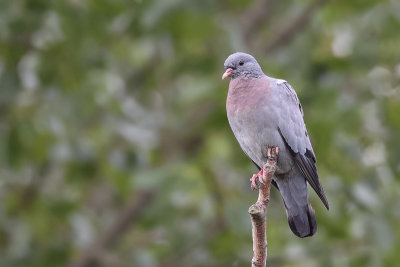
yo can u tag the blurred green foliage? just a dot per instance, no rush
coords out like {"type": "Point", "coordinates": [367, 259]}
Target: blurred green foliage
{"type": "Point", "coordinates": [101, 100]}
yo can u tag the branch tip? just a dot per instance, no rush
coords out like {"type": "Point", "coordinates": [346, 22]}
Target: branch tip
{"type": "Point", "coordinates": [258, 210]}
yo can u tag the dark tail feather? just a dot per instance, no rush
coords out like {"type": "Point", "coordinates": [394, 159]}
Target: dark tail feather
{"type": "Point", "coordinates": [299, 211]}
{"type": "Point", "coordinates": [303, 225]}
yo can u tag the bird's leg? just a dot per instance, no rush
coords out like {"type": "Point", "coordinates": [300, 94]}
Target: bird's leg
{"type": "Point", "coordinates": [272, 155]}
{"type": "Point", "coordinates": [255, 179]}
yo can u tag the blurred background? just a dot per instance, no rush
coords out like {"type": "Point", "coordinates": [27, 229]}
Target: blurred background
{"type": "Point", "coordinates": [115, 149]}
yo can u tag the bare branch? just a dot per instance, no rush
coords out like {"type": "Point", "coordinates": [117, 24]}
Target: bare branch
{"type": "Point", "coordinates": [258, 211]}
{"type": "Point", "coordinates": [130, 213]}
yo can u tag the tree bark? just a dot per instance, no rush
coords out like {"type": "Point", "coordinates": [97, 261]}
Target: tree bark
{"type": "Point", "coordinates": [258, 211]}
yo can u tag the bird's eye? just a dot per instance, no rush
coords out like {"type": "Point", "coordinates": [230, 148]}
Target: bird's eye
{"type": "Point", "coordinates": [241, 63]}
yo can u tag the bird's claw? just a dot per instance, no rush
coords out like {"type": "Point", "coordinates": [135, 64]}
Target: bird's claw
{"type": "Point", "coordinates": [256, 179]}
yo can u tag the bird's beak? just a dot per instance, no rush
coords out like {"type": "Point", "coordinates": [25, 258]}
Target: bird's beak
{"type": "Point", "coordinates": [227, 73]}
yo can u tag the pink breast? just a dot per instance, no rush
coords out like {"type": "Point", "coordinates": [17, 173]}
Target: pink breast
{"type": "Point", "coordinates": [246, 94]}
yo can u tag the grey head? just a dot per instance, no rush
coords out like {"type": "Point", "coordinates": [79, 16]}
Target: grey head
{"type": "Point", "coordinates": [242, 64]}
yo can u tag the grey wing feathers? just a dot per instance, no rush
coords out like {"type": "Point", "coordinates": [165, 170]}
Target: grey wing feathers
{"type": "Point", "coordinates": [291, 124]}
{"type": "Point", "coordinates": [294, 133]}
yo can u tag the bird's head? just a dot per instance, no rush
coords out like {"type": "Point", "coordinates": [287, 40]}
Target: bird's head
{"type": "Point", "coordinates": [239, 64]}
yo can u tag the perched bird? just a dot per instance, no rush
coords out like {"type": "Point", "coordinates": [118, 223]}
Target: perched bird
{"type": "Point", "coordinates": [265, 112]}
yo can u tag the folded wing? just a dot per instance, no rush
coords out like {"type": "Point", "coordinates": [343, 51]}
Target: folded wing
{"type": "Point", "coordinates": [293, 131]}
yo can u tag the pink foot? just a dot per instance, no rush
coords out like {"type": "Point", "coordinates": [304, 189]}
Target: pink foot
{"type": "Point", "coordinates": [272, 153]}
{"type": "Point", "coordinates": [255, 179]}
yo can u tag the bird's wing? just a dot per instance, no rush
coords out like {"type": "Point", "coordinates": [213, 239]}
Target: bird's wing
{"type": "Point", "coordinates": [293, 131]}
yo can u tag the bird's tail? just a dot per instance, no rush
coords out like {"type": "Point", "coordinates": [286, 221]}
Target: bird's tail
{"type": "Point", "coordinates": [298, 208]}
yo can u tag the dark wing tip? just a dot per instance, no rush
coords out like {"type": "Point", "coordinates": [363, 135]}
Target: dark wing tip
{"type": "Point", "coordinates": [309, 170]}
